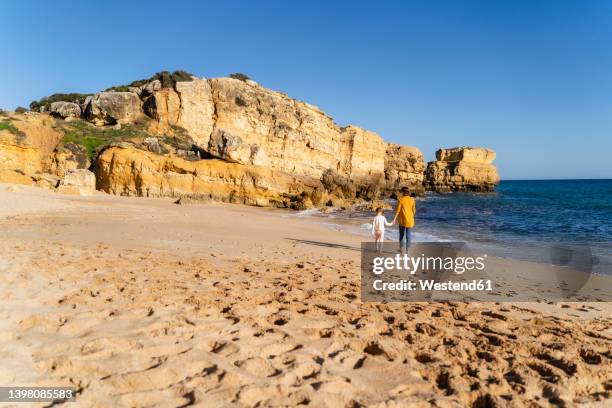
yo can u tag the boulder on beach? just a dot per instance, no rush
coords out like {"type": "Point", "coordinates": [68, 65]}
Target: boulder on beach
{"type": "Point", "coordinates": [78, 182]}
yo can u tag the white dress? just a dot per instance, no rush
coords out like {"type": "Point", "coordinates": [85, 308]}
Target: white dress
{"type": "Point", "coordinates": [378, 226]}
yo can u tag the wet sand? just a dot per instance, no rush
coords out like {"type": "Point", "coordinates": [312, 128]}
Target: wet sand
{"type": "Point", "coordinates": [140, 302]}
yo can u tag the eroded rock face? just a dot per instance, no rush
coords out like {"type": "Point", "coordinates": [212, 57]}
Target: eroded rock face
{"type": "Point", "coordinates": [152, 86]}
{"type": "Point", "coordinates": [18, 156]}
{"type": "Point", "coordinates": [466, 154]}
{"type": "Point", "coordinates": [110, 108]}
{"type": "Point", "coordinates": [232, 148]}
{"type": "Point", "coordinates": [25, 149]}
{"type": "Point", "coordinates": [125, 170]}
{"type": "Point", "coordinates": [65, 110]}
{"type": "Point", "coordinates": [289, 135]}
{"type": "Point", "coordinates": [68, 157]}
{"type": "Point", "coordinates": [366, 155]}
{"type": "Point", "coordinates": [197, 109]}
{"type": "Point", "coordinates": [245, 123]}
{"type": "Point", "coordinates": [462, 169]}
{"type": "Point", "coordinates": [294, 137]}
{"type": "Point", "coordinates": [272, 149]}
{"type": "Point", "coordinates": [189, 106]}
{"type": "Point", "coordinates": [404, 167]}
{"type": "Point", "coordinates": [32, 153]}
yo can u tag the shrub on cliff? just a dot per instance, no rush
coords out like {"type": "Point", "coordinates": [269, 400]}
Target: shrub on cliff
{"type": "Point", "coordinates": [240, 102]}
{"type": "Point", "coordinates": [93, 138]}
{"type": "Point", "coordinates": [43, 104]}
{"type": "Point", "coordinates": [20, 109]}
{"type": "Point", "coordinates": [167, 79]}
{"type": "Point", "coordinates": [240, 76]}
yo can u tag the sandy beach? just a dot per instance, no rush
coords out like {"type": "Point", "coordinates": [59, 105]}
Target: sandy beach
{"type": "Point", "coordinates": [140, 302]}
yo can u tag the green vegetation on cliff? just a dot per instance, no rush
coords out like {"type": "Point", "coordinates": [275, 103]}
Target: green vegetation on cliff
{"type": "Point", "coordinates": [43, 104]}
{"type": "Point", "coordinates": [240, 76]}
{"type": "Point", "coordinates": [6, 125]}
{"type": "Point", "coordinates": [167, 79]}
{"type": "Point", "coordinates": [93, 138]}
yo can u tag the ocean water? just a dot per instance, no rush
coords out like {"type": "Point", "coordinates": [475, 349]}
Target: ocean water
{"type": "Point", "coordinates": [521, 219]}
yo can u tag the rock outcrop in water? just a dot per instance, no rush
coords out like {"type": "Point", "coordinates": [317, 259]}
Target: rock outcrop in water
{"type": "Point", "coordinates": [224, 139]}
{"type": "Point", "coordinates": [462, 169]}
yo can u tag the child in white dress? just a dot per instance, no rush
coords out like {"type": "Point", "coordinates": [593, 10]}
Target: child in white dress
{"type": "Point", "coordinates": [378, 229]}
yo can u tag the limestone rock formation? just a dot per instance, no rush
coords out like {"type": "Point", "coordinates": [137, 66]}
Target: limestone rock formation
{"type": "Point", "coordinates": [26, 142]}
{"type": "Point", "coordinates": [78, 182]}
{"type": "Point", "coordinates": [85, 104]}
{"type": "Point", "coordinates": [462, 169]}
{"type": "Point", "coordinates": [366, 155]}
{"type": "Point", "coordinates": [67, 157]}
{"type": "Point", "coordinates": [65, 110]}
{"type": "Point", "coordinates": [110, 108]}
{"type": "Point", "coordinates": [241, 122]}
{"type": "Point", "coordinates": [187, 105]}
{"type": "Point", "coordinates": [31, 151]}
{"type": "Point", "coordinates": [225, 139]}
{"type": "Point", "coordinates": [18, 155]}
{"type": "Point", "coordinates": [245, 123]}
{"type": "Point", "coordinates": [152, 86]}
{"type": "Point", "coordinates": [467, 154]}
{"type": "Point", "coordinates": [125, 170]}
{"type": "Point", "coordinates": [404, 167]}
{"type": "Point", "coordinates": [286, 134]}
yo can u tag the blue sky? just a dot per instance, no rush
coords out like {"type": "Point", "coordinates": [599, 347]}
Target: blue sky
{"type": "Point", "coordinates": [530, 79]}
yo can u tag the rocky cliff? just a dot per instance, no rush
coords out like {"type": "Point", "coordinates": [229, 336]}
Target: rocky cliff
{"type": "Point", "coordinates": [462, 169]}
{"type": "Point", "coordinates": [404, 167]}
{"type": "Point", "coordinates": [226, 139]}
{"type": "Point", "coordinates": [122, 169]}
{"type": "Point", "coordinates": [27, 144]}
{"type": "Point", "coordinates": [34, 151]}
{"type": "Point", "coordinates": [242, 122]}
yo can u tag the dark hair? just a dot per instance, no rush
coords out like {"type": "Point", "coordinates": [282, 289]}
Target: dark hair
{"type": "Point", "coordinates": [379, 210]}
{"type": "Point", "coordinates": [405, 190]}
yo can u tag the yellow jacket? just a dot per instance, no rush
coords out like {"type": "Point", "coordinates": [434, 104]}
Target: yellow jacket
{"type": "Point", "coordinates": [406, 208]}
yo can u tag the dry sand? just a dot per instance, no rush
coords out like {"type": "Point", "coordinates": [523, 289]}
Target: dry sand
{"type": "Point", "coordinates": [141, 302]}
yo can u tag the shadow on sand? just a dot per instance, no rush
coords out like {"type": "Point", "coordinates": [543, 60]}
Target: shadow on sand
{"type": "Point", "coordinates": [323, 244]}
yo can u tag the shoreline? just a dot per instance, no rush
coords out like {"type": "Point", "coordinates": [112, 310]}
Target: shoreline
{"type": "Point", "coordinates": [358, 223]}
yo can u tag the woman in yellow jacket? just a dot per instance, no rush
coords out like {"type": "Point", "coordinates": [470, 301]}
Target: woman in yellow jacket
{"type": "Point", "coordinates": [406, 208]}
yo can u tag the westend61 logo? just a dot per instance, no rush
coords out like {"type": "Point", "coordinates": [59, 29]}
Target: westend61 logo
{"type": "Point", "coordinates": [442, 271]}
